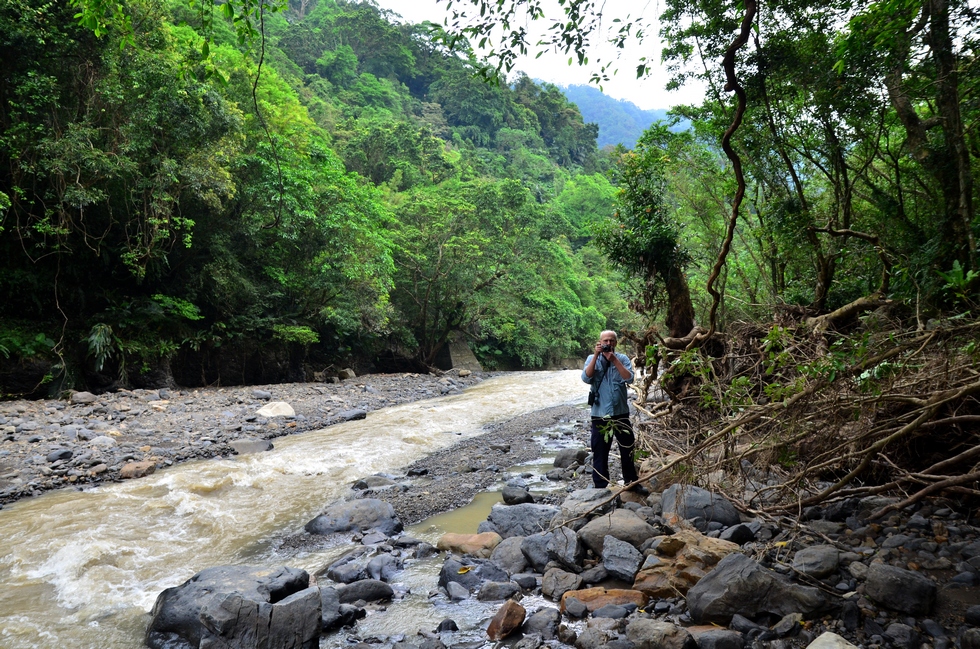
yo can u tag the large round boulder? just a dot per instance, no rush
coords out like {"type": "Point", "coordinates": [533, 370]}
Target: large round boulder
{"type": "Point", "coordinates": [356, 515]}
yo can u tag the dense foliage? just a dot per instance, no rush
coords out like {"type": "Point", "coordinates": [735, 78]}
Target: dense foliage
{"type": "Point", "coordinates": [171, 210]}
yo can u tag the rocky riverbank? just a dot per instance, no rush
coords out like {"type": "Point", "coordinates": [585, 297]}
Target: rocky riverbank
{"type": "Point", "coordinates": [91, 439]}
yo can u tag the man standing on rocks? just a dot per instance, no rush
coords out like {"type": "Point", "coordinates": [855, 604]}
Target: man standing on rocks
{"type": "Point", "coordinates": [608, 373]}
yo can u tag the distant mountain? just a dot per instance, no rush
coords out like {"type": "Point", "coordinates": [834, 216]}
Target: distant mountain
{"type": "Point", "coordinates": [620, 122]}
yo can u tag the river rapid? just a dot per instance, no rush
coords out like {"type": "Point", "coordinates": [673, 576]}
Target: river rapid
{"type": "Point", "coordinates": [82, 569]}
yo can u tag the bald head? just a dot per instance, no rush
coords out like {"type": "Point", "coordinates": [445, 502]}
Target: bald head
{"type": "Point", "coordinates": [608, 332]}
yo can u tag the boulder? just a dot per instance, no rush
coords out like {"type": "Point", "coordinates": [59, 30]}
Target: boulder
{"type": "Point", "coordinates": [698, 505]}
{"type": "Point", "coordinates": [568, 457]}
{"type": "Point", "coordinates": [544, 622]}
{"type": "Point", "coordinates": [175, 621]}
{"type": "Point", "coordinates": [573, 509]}
{"type": "Point", "coordinates": [373, 482]}
{"type": "Point", "coordinates": [645, 633]}
{"type": "Point", "coordinates": [80, 398]}
{"type": "Point", "coordinates": [680, 561]}
{"type": "Point", "coordinates": [597, 597]}
{"type": "Point", "coordinates": [333, 614]}
{"type": "Point", "coordinates": [248, 446]}
{"type": "Point", "coordinates": [566, 549]}
{"type": "Point", "coordinates": [370, 590]}
{"type": "Point", "coordinates": [508, 619]}
{"type": "Point", "coordinates": [516, 496]}
{"type": "Point", "coordinates": [356, 515]}
{"type": "Point", "coordinates": [740, 585]}
{"type": "Point", "coordinates": [520, 520]}
{"type": "Point", "coordinates": [620, 523]}
{"type": "Point", "coordinates": [715, 638]}
{"type": "Point", "coordinates": [828, 640]}
{"type": "Point", "coordinates": [476, 545]}
{"type": "Point", "coordinates": [276, 409]}
{"type": "Point", "coordinates": [384, 567]}
{"type": "Point", "coordinates": [620, 558]}
{"type": "Point", "coordinates": [899, 589]}
{"type": "Point", "coordinates": [233, 620]}
{"type": "Point", "coordinates": [817, 561]}
{"type": "Point", "coordinates": [535, 549]}
{"type": "Point", "coordinates": [497, 590]}
{"type": "Point", "coordinates": [132, 470]}
{"type": "Point", "coordinates": [508, 555]}
{"type": "Point", "coordinates": [556, 582]}
{"type": "Point", "coordinates": [470, 574]}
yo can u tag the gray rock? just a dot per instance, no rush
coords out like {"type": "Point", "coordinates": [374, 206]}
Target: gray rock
{"type": "Point", "coordinates": [346, 573]}
{"type": "Point", "coordinates": [575, 608]}
{"type": "Point", "coordinates": [570, 456]}
{"type": "Point", "coordinates": [899, 589]}
{"type": "Point", "coordinates": [334, 614]}
{"type": "Point", "coordinates": [740, 534]}
{"type": "Point", "coordinates": [699, 505]}
{"type": "Point", "coordinates": [457, 592]}
{"type": "Point", "coordinates": [59, 454]}
{"type": "Point", "coordinates": [370, 590]}
{"type": "Point", "coordinates": [740, 585]}
{"type": "Point", "coordinates": [497, 590]}
{"type": "Point", "coordinates": [817, 561]}
{"type": "Point", "coordinates": [373, 482]}
{"type": "Point", "coordinates": [361, 515]}
{"type": "Point", "coordinates": [902, 636]}
{"type": "Point", "coordinates": [620, 559]}
{"type": "Point", "coordinates": [566, 549]}
{"type": "Point", "coordinates": [970, 639]}
{"type": "Point", "coordinates": [535, 550]}
{"type": "Point", "coordinates": [720, 639]}
{"type": "Point", "coordinates": [349, 415]}
{"type": "Point", "coordinates": [830, 640]}
{"type": "Point", "coordinates": [176, 616]}
{"type": "Point", "coordinates": [594, 574]}
{"type": "Point", "coordinates": [248, 446]}
{"type": "Point", "coordinates": [83, 398]}
{"type": "Point", "coordinates": [595, 638]}
{"type": "Point", "coordinates": [525, 580]}
{"type": "Point", "coordinates": [384, 567]}
{"type": "Point", "coordinates": [233, 620]}
{"type": "Point", "coordinates": [645, 633]}
{"type": "Point", "coordinates": [477, 571]}
{"type": "Point", "coordinates": [521, 520]}
{"type": "Point", "coordinates": [544, 622]}
{"type": "Point", "coordinates": [622, 524]}
{"type": "Point", "coordinates": [572, 511]}
{"type": "Point", "coordinates": [508, 555]}
{"type": "Point", "coordinates": [516, 496]}
{"type": "Point", "coordinates": [262, 395]}
{"type": "Point", "coordinates": [611, 611]}
{"type": "Point", "coordinates": [556, 582]}
{"type": "Point", "coordinates": [529, 641]}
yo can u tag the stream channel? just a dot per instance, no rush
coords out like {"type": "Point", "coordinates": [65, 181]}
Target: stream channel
{"type": "Point", "coordinates": [81, 570]}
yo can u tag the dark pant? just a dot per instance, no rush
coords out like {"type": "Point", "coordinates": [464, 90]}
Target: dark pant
{"type": "Point", "coordinates": [623, 434]}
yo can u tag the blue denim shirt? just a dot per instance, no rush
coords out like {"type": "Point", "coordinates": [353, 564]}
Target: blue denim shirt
{"type": "Point", "coordinates": [612, 388]}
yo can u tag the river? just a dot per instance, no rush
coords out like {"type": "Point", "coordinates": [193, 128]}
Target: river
{"type": "Point", "coordinates": [82, 569]}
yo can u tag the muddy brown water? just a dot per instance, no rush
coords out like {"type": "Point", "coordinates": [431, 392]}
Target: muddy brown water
{"type": "Point", "coordinates": [82, 569]}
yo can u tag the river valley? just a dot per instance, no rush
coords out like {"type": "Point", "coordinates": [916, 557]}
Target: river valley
{"type": "Point", "coordinates": [82, 569]}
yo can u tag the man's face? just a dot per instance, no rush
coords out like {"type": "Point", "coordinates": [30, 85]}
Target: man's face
{"type": "Point", "coordinates": [610, 340]}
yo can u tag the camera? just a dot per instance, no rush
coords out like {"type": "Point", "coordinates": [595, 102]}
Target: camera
{"type": "Point", "coordinates": [605, 349]}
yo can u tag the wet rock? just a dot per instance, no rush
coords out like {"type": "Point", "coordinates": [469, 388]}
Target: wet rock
{"type": "Point", "coordinates": [508, 555]}
{"type": "Point", "coordinates": [556, 582]}
{"type": "Point", "coordinates": [535, 550]}
{"type": "Point", "coordinates": [620, 558]}
{"type": "Point", "coordinates": [447, 625]}
{"type": "Point", "coordinates": [348, 415]}
{"type": "Point", "coordinates": [476, 545]}
{"type": "Point", "coordinates": [621, 524]}
{"type": "Point", "coordinates": [384, 567]}
{"type": "Point", "coordinates": [698, 505]}
{"type": "Point", "coordinates": [651, 634]}
{"type": "Point", "coordinates": [232, 620]}
{"type": "Point", "coordinates": [568, 457]}
{"type": "Point", "coordinates": [516, 496]}
{"type": "Point", "coordinates": [133, 470]}
{"type": "Point", "coordinates": [457, 592]}
{"type": "Point", "coordinates": [575, 608]}
{"type": "Point", "coordinates": [176, 616]}
{"type": "Point", "coordinates": [544, 622]}
{"type": "Point", "coordinates": [370, 590]}
{"type": "Point", "coordinates": [508, 619]}
{"type": "Point", "coordinates": [818, 561]}
{"type": "Point", "coordinates": [612, 612]}
{"type": "Point", "coordinates": [333, 614]}
{"type": "Point", "coordinates": [566, 549]}
{"type": "Point", "coordinates": [720, 639]}
{"type": "Point", "coordinates": [470, 574]}
{"type": "Point", "coordinates": [346, 573]}
{"type": "Point", "coordinates": [497, 590]}
{"type": "Point", "coordinates": [899, 589]}
{"type": "Point", "coordinates": [521, 520]}
{"type": "Point", "coordinates": [740, 585]}
{"type": "Point", "coordinates": [529, 641]}
{"type": "Point", "coordinates": [373, 482]}
{"type": "Point", "coordinates": [248, 446]}
{"type": "Point", "coordinates": [361, 515]}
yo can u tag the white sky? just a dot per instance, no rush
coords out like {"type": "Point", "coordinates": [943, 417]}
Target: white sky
{"type": "Point", "coordinates": [646, 93]}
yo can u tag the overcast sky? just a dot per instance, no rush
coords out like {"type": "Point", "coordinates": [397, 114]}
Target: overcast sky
{"type": "Point", "coordinates": [646, 93]}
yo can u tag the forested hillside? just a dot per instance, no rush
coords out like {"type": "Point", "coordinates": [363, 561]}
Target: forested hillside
{"type": "Point", "coordinates": [171, 212]}
{"type": "Point", "coordinates": [620, 122]}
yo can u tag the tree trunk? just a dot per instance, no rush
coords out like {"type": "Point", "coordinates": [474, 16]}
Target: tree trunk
{"type": "Point", "coordinates": [680, 309]}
